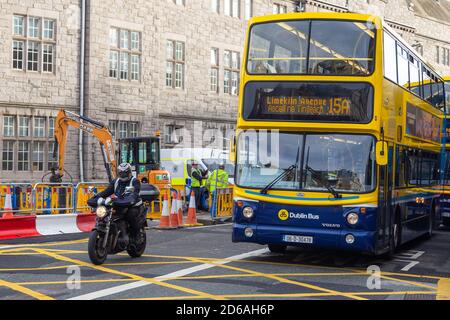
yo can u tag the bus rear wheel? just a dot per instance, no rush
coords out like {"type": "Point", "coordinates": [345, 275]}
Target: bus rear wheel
{"type": "Point", "coordinates": [277, 248]}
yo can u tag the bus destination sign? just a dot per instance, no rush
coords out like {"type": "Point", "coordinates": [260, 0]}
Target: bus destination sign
{"type": "Point", "coordinates": [335, 106]}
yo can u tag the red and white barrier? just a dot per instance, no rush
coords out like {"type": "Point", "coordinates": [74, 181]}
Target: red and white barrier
{"type": "Point", "coordinates": [44, 225]}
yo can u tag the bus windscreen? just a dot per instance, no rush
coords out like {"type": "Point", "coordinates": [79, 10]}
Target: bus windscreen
{"type": "Point", "coordinates": [308, 101]}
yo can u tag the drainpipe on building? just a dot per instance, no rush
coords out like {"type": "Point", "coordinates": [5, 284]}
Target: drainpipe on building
{"type": "Point", "coordinates": [82, 71]}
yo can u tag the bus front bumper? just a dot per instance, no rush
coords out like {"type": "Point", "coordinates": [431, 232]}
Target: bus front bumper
{"type": "Point", "coordinates": [364, 241]}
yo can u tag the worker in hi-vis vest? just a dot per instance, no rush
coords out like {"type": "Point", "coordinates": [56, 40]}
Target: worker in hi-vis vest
{"type": "Point", "coordinates": [197, 175]}
{"type": "Point", "coordinates": [218, 179]}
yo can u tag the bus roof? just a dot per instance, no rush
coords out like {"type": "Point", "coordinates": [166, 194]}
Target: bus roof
{"type": "Point", "coordinates": [316, 15]}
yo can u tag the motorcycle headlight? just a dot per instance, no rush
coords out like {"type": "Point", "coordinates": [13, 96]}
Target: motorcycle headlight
{"type": "Point", "coordinates": [100, 211]}
{"type": "Point", "coordinates": [248, 212]}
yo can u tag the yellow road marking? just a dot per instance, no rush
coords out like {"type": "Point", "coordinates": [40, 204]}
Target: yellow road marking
{"type": "Point", "coordinates": [128, 275]}
{"type": "Point", "coordinates": [384, 275]}
{"type": "Point", "coordinates": [281, 279]}
{"type": "Point", "coordinates": [24, 290]}
{"type": "Point", "coordinates": [289, 295]}
{"type": "Point", "coordinates": [443, 289]}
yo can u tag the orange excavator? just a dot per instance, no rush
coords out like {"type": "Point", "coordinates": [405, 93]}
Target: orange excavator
{"type": "Point", "coordinates": [93, 127]}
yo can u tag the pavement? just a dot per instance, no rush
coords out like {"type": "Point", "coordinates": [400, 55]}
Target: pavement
{"type": "Point", "coordinates": [203, 263]}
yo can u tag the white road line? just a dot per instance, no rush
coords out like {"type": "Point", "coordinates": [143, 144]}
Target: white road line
{"type": "Point", "coordinates": [179, 273]}
{"type": "Point", "coordinates": [417, 255]}
{"type": "Point", "coordinates": [410, 265]}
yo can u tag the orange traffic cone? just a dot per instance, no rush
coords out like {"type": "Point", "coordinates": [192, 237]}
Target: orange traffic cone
{"type": "Point", "coordinates": [192, 213]}
{"type": "Point", "coordinates": [173, 212]}
{"type": "Point", "coordinates": [7, 210]}
{"type": "Point", "coordinates": [164, 221]}
{"type": "Point", "coordinates": [180, 209]}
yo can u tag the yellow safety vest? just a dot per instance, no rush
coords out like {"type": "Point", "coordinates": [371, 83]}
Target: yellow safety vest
{"type": "Point", "coordinates": [194, 181]}
{"type": "Point", "coordinates": [218, 176]}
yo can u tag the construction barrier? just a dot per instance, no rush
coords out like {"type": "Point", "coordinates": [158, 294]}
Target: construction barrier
{"type": "Point", "coordinates": [221, 203]}
{"type": "Point", "coordinates": [21, 197]}
{"type": "Point", "coordinates": [85, 191]}
{"type": "Point", "coordinates": [65, 198]}
{"type": "Point", "coordinates": [44, 225]}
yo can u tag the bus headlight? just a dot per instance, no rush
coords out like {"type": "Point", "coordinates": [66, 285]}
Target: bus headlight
{"type": "Point", "coordinates": [248, 212]}
{"type": "Point", "coordinates": [100, 212]}
{"type": "Point", "coordinates": [352, 218]}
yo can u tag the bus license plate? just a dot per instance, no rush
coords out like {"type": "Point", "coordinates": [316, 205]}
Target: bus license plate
{"type": "Point", "coordinates": [297, 239]}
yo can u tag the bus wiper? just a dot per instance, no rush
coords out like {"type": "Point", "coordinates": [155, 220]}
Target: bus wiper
{"type": "Point", "coordinates": [318, 177]}
{"type": "Point", "coordinates": [278, 178]}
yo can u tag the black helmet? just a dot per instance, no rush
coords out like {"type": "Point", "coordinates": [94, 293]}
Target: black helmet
{"type": "Point", "coordinates": [124, 171]}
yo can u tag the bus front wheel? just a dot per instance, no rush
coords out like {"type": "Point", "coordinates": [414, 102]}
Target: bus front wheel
{"type": "Point", "coordinates": [277, 248]}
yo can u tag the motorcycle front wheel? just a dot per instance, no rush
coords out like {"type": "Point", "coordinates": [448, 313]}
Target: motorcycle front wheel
{"type": "Point", "coordinates": [136, 250]}
{"type": "Point", "coordinates": [97, 254]}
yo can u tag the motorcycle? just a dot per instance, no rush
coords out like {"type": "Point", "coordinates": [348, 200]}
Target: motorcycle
{"type": "Point", "coordinates": [111, 234]}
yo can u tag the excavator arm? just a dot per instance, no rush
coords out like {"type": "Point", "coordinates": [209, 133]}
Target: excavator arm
{"type": "Point", "coordinates": [95, 128]}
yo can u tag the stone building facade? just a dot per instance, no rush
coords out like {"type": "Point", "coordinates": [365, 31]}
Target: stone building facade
{"type": "Point", "coordinates": [170, 66]}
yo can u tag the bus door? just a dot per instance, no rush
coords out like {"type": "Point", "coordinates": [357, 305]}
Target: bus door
{"type": "Point", "coordinates": [385, 218]}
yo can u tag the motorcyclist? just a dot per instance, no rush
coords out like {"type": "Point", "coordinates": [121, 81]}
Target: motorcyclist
{"type": "Point", "coordinates": [123, 194]}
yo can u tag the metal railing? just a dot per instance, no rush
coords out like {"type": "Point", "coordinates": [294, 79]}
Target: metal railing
{"type": "Point", "coordinates": [221, 203]}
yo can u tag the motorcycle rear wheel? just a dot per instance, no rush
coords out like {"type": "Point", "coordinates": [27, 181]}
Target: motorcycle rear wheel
{"type": "Point", "coordinates": [135, 251]}
{"type": "Point", "coordinates": [96, 253]}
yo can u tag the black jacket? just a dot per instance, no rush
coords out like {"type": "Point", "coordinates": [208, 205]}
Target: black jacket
{"type": "Point", "coordinates": [118, 188]}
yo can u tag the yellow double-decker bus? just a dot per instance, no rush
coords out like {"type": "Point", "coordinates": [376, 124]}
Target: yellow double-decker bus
{"type": "Point", "coordinates": [445, 199]}
{"type": "Point", "coordinates": [334, 148]}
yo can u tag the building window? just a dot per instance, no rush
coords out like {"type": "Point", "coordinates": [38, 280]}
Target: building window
{"type": "Point", "coordinates": [215, 6]}
{"type": "Point", "coordinates": [124, 65]}
{"type": "Point", "coordinates": [112, 125]}
{"type": "Point", "coordinates": [51, 127]}
{"type": "Point", "coordinates": [170, 134]}
{"type": "Point", "coordinates": [8, 155]}
{"type": "Point", "coordinates": [33, 27]}
{"type": "Point", "coordinates": [23, 156]}
{"type": "Point", "coordinates": [123, 129]}
{"type": "Point", "coordinates": [52, 162]}
{"type": "Point", "coordinates": [214, 71]}
{"type": "Point", "coordinates": [279, 8]}
{"type": "Point", "coordinates": [33, 45]}
{"type": "Point", "coordinates": [19, 25]}
{"type": "Point", "coordinates": [124, 42]}
{"type": "Point", "coordinates": [49, 29]}
{"type": "Point", "coordinates": [24, 126]}
{"type": "Point", "coordinates": [39, 127]}
{"type": "Point", "coordinates": [175, 55]}
{"type": "Point", "coordinates": [33, 56]}
{"type": "Point", "coordinates": [248, 9]}
{"type": "Point", "coordinates": [124, 54]}
{"type": "Point", "coordinates": [8, 126]}
{"type": "Point", "coordinates": [135, 41]}
{"type": "Point", "coordinates": [135, 67]}
{"type": "Point", "coordinates": [38, 156]}
{"type": "Point", "coordinates": [18, 54]}
{"type": "Point", "coordinates": [231, 72]}
{"type": "Point", "coordinates": [133, 126]}
{"type": "Point", "coordinates": [232, 8]}
{"type": "Point", "coordinates": [113, 64]}
{"type": "Point", "coordinates": [47, 61]}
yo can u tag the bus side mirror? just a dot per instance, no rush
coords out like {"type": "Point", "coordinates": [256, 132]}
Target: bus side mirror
{"type": "Point", "coordinates": [232, 153]}
{"type": "Point", "coordinates": [381, 151]}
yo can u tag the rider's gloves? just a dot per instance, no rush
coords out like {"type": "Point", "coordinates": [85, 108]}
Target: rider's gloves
{"type": "Point", "coordinates": [108, 201]}
{"type": "Point", "coordinates": [100, 201]}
